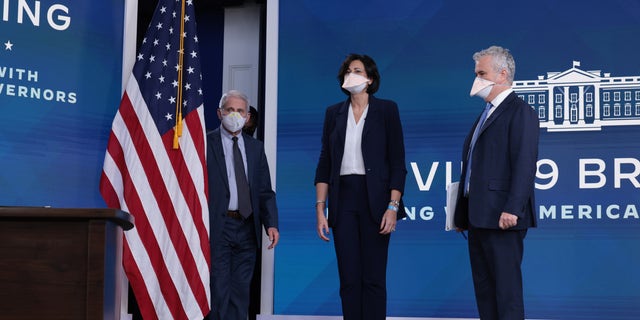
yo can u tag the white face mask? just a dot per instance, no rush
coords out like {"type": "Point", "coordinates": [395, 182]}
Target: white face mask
{"type": "Point", "coordinates": [233, 121]}
{"type": "Point", "coordinates": [481, 87]}
{"type": "Point", "coordinates": [354, 83]}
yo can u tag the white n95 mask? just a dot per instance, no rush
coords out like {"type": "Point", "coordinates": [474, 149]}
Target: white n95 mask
{"type": "Point", "coordinates": [354, 83]}
{"type": "Point", "coordinates": [233, 121]}
{"type": "Point", "coordinates": [481, 87]}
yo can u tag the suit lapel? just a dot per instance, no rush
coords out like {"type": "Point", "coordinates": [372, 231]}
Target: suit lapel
{"type": "Point", "coordinates": [372, 114]}
{"type": "Point", "coordinates": [218, 154]}
{"type": "Point", "coordinates": [499, 110]}
{"type": "Point", "coordinates": [341, 129]}
{"type": "Point", "coordinates": [251, 157]}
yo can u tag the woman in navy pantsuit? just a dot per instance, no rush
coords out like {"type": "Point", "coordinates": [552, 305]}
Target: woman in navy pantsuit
{"type": "Point", "coordinates": [360, 178]}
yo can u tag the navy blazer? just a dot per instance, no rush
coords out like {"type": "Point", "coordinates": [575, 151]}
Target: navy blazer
{"type": "Point", "coordinates": [503, 168]}
{"type": "Point", "coordinates": [263, 198]}
{"type": "Point", "coordinates": [382, 151]}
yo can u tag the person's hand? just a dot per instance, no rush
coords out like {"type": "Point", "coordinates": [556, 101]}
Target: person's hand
{"type": "Point", "coordinates": [274, 236]}
{"type": "Point", "coordinates": [507, 220]}
{"type": "Point", "coordinates": [322, 226]}
{"type": "Point", "coordinates": [389, 220]}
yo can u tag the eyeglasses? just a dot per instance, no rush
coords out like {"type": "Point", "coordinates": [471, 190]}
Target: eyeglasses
{"type": "Point", "coordinates": [226, 111]}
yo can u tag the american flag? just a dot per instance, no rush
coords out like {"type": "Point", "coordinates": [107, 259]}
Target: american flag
{"type": "Point", "coordinates": [159, 175]}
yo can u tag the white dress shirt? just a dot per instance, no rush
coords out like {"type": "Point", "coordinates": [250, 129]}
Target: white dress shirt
{"type": "Point", "coordinates": [498, 100]}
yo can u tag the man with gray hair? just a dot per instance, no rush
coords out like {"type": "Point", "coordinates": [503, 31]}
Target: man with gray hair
{"type": "Point", "coordinates": [496, 194]}
{"type": "Point", "coordinates": [241, 201]}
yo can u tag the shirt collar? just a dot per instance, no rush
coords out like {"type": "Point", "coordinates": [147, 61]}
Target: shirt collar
{"type": "Point", "coordinates": [228, 135]}
{"type": "Point", "coordinates": [500, 97]}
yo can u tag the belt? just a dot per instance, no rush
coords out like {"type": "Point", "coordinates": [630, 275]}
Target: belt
{"type": "Point", "coordinates": [234, 214]}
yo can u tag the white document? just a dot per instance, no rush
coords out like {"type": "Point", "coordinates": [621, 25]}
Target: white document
{"type": "Point", "coordinates": [452, 197]}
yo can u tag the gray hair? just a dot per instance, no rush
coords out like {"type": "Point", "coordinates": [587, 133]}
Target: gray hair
{"type": "Point", "coordinates": [502, 60]}
{"type": "Point", "coordinates": [236, 94]}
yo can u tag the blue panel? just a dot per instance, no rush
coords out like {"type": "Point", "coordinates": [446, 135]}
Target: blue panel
{"type": "Point", "coordinates": [582, 261]}
{"type": "Point", "coordinates": [59, 90]}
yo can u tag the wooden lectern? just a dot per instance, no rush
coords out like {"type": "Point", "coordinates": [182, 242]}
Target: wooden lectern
{"type": "Point", "coordinates": [60, 263]}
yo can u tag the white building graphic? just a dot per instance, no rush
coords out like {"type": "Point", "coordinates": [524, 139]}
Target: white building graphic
{"type": "Point", "coordinates": [578, 100]}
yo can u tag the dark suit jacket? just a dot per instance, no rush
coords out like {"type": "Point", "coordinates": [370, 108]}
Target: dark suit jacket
{"type": "Point", "coordinates": [263, 198]}
{"type": "Point", "coordinates": [382, 151]}
{"type": "Point", "coordinates": [503, 168]}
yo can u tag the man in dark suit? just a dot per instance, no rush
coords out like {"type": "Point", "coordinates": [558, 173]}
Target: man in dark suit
{"type": "Point", "coordinates": [241, 200]}
{"type": "Point", "coordinates": [496, 194]}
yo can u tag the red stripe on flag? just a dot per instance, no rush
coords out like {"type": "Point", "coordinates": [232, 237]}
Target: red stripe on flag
{"type": "Point", "coordinates": [108, 192]}
{"type": "Point", "coordinates": [189, 192]}
{"type": "Point", "coordinates": [145, 304]}
{"type": "Point", "coordinates": [192, 121]}
{"type": "Point", "coordinates": [199, 137]}
{"type": "Point", "coordinates": [142, 227]}
{"type": "Point", "coordinates": [167, 211]}
{"type": "Point", "coordinates": [177, 235]}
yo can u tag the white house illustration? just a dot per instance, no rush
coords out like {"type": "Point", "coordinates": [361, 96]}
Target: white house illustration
{"type": "Point", "coordinates": [578, 100]}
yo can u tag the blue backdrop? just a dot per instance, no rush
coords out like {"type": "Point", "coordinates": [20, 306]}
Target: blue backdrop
{"type": "Point", "coordinates": [60, 76]}
{"type": "Point", "coordinates": [582, 261]}
{"type": "Point", "coordinates": [60, 73]}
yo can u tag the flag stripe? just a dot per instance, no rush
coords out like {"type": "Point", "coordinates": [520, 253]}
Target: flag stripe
{"type": "Point", "coordinates": [141, 292]}
{"type": "Point", "coordinates": [191, 151]}
{"type": "Point", "coordinates": [112, 173]}
{"type": "Point", "coordinates": [153, 270]}
{"type": "Point", "coordinates": [195, 150]}
{"type": "Point", "coordinates": [168, 223]}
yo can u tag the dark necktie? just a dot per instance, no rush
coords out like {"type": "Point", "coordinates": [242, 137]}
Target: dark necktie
{"type": "Point", "coordinates": [244, 201]}
{"type": "Point", "coordinates": [476, 133]}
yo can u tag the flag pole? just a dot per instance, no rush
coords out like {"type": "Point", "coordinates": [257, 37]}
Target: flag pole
{"type": "Point", "coordinates": [178, 128]}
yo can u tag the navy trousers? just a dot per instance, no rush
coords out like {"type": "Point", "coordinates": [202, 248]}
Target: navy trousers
{"type": "Point", "coordinates": [361, 253]}
{"type": "Point", "coordinates": [232, 263]}
{"type": "Point", "coordinates": [496, 257]}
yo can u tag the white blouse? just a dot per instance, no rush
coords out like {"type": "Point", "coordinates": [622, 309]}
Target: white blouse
{"type": "Point", "coordinates": [352, 161]}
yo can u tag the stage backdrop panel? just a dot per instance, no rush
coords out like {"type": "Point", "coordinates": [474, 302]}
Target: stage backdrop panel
{"type": "Point", "coordinates": [60, 85]}
{"type": "Point", "coordinates": [577, 66]}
